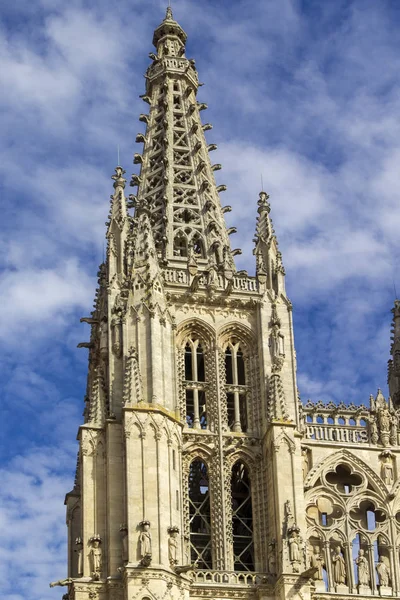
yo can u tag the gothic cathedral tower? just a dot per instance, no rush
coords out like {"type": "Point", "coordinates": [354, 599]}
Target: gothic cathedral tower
{"type": "Point", "coordinates": [190, 469]}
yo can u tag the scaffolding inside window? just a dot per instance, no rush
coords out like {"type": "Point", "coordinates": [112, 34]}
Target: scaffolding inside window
{"type": "Point", "coordinates": [242, 515]}
{"type": "Point", "coordinates": [196, 413]}
{"type": "Point", "coordinates": [236, 388]}
{"type": "Point", "coordinates": [200, 518]}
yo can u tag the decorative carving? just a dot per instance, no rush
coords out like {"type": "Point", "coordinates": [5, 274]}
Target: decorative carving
{"type": "Point", "coordinates": [133, 387]}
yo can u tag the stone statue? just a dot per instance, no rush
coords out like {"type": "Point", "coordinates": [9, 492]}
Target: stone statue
{"type": "Point", "coordinates": [362, 568]}
{"type": "Point", "coordinates": [288, 511]}
{"type": "Point", "coordinates": [96, 556]}
{"type": "Point", "coordinates": [173, 546]}
{"type": "Point", "coordinates": [145, 543]}
{"type": "Point", "coordinates": [306, 462]}
{"type": "Point", "coordinates": [383, 572]}
{"type": "Point", "coordinates": [124, 535]}
{"type": "Point", "coordinates": [384, 419]}
{"type": "Point", "coordinates": [79, 551]}
{"type": "Point", "coordinates": [393, 429]}
{"type": "Point", "coordinates": [387, 468]}
{"type": "Point", "coordinates": [272, 557]}
{"type": "Point", "coordinates": [294, 547]}
{"type": "Point", "coordinates": [339, 567]}
{"type": "Point", "coordinates": [373, 429]}
{"type": "Point", "coordinates": [317, 562]}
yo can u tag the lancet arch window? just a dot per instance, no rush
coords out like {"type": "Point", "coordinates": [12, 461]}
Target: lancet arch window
{"type": "Point", "coordinates": [180, 245]}
{"type": "Point", "coordinates": [235, 388]}
{"type": "Point", "coordinates": [242, 518]}
{"type": "Point", "coordinates": [200, 515]}
{"type": "Point", "coordinates": [196, 410]}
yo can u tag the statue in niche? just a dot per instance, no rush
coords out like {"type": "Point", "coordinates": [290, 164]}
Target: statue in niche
{"type": "Point", "coordinates": [116, 336]}
{"type": "Point", "coordinates": [173, 545]}
{"type": "Point", "coordinates": [289, 518]}
{"type": "Point", "coordinates": [317, 562]}
{"type": "Point", "coordinates": [145, 543]}
{"type": "Point", "coordinates": [387, 468]}
{"type": "Point", "coordinates": [383, 572]}
{"type": "Point", "coordinates": [272, 557]}
{"type": "Point", "coordinates": [362, 568]}
{"type": "Point", "coordinates": [96, 557]}
{"type": "Point", "coordinates": [339, 566]}
{"type": "Point", "coordinates": [124, 535]}
{"type": "Point", "coordinates": [294, 543]}
{"type": "Point", "coordinates": [79, 551]}
{"type": "Point", "coordinates": [294, 547]}
{"type": "Point", "coordinates": [306, 462]}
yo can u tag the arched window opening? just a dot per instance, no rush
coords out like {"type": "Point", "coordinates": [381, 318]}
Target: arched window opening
{"type": "Point", "coordinates": [242, 519]}
{"type": "Point", "coordinates": [196, 414]}
{"type": "Point", "coordinates": [180, 246]}
{"type": "Point", "coordinates": [198, 247]}
{"type": "Point", "coordinates": [236, 388]}
{"type": "Point", "coordinates": [188, 363]}
{"type": "Point", "coordinates": [200, 517]}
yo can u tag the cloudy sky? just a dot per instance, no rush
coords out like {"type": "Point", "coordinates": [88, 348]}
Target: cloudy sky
{"type": "Point", "coordinates": [303, 92]}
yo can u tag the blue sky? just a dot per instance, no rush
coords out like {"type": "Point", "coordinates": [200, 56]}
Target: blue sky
{"type": "Point", "coordinates": [303, 92]}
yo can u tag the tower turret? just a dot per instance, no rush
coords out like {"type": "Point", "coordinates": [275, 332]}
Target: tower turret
{"type": "Point", "coordinates": [394, 362]}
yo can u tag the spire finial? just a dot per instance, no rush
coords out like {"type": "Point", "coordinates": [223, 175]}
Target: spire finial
{"type": "Point", "coordinates": [169, 14]}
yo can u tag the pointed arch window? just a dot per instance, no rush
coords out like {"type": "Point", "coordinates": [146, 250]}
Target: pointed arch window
{"type": "Point", "coordinates": [180, 245]}
{"type": "Point", "coordinates": [242, 518]}
{"type": "Point", "coordinates": [200, 515]}
{"type": "Point", "coordinates": [196, 414]}
{"type": "Point", "coordinates": [236, 388]}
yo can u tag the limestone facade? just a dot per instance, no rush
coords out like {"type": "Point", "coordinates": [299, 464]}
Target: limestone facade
{"type": "Point", "coordinates": [200, 473]}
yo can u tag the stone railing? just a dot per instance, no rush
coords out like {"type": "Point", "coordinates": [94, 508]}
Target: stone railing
{"type": "Point", "coordinates": [244, 578]}
{"type": "Point", "coordinates": [351, 424]}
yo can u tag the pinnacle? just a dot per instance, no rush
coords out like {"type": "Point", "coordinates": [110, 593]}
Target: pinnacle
{"type": "Point", "coordinates": [169, 15]}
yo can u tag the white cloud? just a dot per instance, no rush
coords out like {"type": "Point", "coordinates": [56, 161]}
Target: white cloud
{"type": "Point", "coordinates": [32, 523]}
{"type": "Point", "coordinates": [34, 301]}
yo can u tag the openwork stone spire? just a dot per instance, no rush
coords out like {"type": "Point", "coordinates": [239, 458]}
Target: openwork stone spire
{"type": "Point", "coordinates": [394, 362]}
{"type": "Point", "coordinates": [176, 184]}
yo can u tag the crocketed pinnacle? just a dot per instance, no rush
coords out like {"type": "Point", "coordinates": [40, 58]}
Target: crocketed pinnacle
{"type": "Point", "coordinates": [394, 362]}
{"type": "Point", "coordinates": [269, 266]}
{"type": "Point", "coordinates": [176, 184]}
